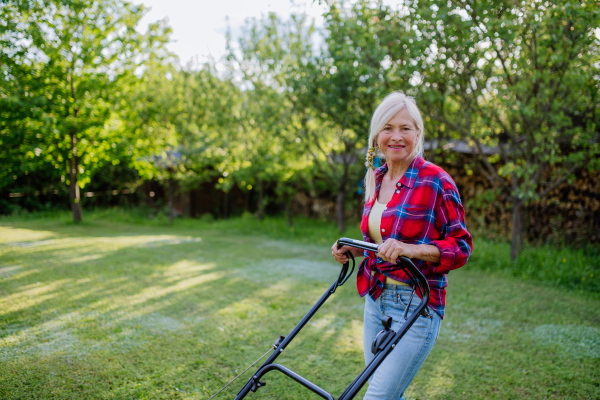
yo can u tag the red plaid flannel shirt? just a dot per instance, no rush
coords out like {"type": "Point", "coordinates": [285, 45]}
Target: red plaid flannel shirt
{"type": "Point", "coordinates": [425, 209]}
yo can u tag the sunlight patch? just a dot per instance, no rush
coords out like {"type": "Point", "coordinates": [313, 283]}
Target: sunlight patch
{"type": "Point", "coordinates": [43, 339]}
{"type": "Point", "coordinates": [441, 379]}
{"type": "Point", "coordinates": [351, 338]}
{"type": "Point", "coordinates": [9, 271]}
{"type": "Point", "coordinates": [11, 236]}
{"type": "Point", "coordinates": [328, 325]}
{"type": "Point", "coordinates": [322, 323]}
{"type": "Point", "coordinates": [67, 334]}
{"type": "Point", "coordinates": [247, 308]}
{"type": "Point", "coordinates": [274, 290]}
{"type": "Point", "coordinates": [171, 241]}
{"type": "Point", "coordinates": [155, 292]}
{"type": "Point", "coordinates": [22, 274]}
{"type": "Point", "coordinates": [576, 340]}
{"type": "Point", "coordinates": [102, 244]}
{"type": "Point", "coordinates": [84, 258]}
{"type": "Point", "coordinates": [182, 268]}
{"type": "Point", "coordinates": [30, 296]}
{"type": "Point", "coordinates": [289, 246]}
{"type": "Point", "coordinates": [34, 243]}
{"type": "Point", "coordinates": [157, 323]}
{"type": "Point", "coordinates": [470, 329]}
{"type": "Point", "coordinates": [280, 268]}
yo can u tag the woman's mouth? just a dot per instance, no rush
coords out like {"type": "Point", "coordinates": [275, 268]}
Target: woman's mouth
{"type": "Point", "coordinates": [396, 146]}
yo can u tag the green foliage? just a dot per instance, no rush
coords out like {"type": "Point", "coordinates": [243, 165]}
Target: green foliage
{"type": "Point", "coordinates": [504, 77]}
{"type": "Point", "coordinates": [80, 88]}
{"type": "Point", "coordinates": [565, 267]}
{"type": "Point", "coordinates": [186, 111]}
{"type": "Point", "coordinates": [68, 66]}
{"type": "Point", "coordinates": [333, 90]}
{"type": "Point", "coordinates": [269, 149]}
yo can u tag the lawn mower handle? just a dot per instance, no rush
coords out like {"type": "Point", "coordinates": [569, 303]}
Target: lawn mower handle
{"type": "Point", "coordinates": [406, 263]}
{"type": "Point", "coordinates": [420, 285]}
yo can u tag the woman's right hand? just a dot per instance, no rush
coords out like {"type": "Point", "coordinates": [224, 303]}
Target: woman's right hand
{"type": "Point", "coordinates": [340, 254]}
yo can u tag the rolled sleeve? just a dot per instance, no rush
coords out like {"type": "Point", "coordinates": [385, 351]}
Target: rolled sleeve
{"type": "Point", "coordinates": [455, 242]}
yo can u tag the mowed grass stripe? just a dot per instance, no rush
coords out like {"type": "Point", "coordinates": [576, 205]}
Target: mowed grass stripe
{"type": "Point", "coordinates": [124, 310]}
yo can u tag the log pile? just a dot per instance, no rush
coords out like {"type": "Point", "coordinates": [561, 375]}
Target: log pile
{"type": "Point", "coordinates": [569, 214]}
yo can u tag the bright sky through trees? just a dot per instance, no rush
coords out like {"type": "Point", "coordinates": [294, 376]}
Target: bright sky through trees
{"type": "Point", "coordinates": [199, 27]}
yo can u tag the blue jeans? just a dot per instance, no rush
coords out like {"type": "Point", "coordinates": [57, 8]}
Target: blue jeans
{"type": "Point", "coordinates": [399, 368]}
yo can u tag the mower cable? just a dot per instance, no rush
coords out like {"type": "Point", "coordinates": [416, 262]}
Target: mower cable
{"type": "Point", "coordinates": [224, 387]}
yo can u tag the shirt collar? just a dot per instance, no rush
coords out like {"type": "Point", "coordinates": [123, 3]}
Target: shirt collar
{"type": "Point", "coordinates": [410, 176]}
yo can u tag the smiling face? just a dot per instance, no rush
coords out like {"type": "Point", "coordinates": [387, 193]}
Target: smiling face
{"type": "Point", "coordinates": [398, 138]}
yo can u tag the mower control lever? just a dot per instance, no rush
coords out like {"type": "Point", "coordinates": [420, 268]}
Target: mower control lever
{"type": "Point", "coordinates": [386, 321]}
{"type": "Point", "coordinates": [256, 383]}
{"type": "Point", "coordinates": [382, 336]}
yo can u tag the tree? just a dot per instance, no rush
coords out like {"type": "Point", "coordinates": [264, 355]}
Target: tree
{"type": "Point", "coordinates": [504, 75]}
{"type": "Point", "coordinates": [73, 59]}
{"type": "Point", "coordinates": [20, 154]}
{"type": "Point", "coordinates": [268, 149]}
{"type": "Point", "coordinates": [335, 90]}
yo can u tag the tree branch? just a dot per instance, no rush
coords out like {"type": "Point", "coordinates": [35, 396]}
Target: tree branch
{"type": "Point", "coordinates": [562, 178]}
{"type": "Point", "coordinates": [489, 166]}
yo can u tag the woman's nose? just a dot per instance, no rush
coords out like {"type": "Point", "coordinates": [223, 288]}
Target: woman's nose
{"type": "Point", "coordinates": [396, 134]}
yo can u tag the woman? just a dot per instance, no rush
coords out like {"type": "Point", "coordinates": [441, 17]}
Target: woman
{"type": "Point", "coordinates": [413, 209]}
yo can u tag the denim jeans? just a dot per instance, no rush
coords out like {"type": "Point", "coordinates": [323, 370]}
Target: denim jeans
{"type": "Point", "coordinates": [399, 368]}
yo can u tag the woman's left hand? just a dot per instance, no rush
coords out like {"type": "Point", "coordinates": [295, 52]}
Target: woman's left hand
{"type": "Point", "coordinates": [391, 249]}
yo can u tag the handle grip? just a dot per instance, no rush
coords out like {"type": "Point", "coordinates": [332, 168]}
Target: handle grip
{"type": "Point", "coordinates": [406, 264]}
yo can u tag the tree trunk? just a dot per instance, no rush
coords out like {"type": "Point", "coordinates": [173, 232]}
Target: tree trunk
{"type": "Point", "coordinates": [340, 208]}
{"type": "Point", "coordinates": [288, 212]}
{"type": "Point", "coordinates": [260, 213]}
{"type": "Point", "coordinates": [73, 187]}
{"type": "Point", "coordinates": [523, 215]}
{"type": "Point", "coordinates": [170, 203]}
{"type": "Point", "coordinates": [225, 201]}
{"type": "Point", "coordinates": [517, 240]}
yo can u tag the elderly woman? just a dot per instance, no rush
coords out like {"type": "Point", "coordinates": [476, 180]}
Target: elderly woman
{"type": "Point", "coordinates": [413, 209]}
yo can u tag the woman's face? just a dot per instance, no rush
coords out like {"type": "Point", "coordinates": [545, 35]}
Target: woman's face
{"type": "Point", "coordinates": [398, 138]}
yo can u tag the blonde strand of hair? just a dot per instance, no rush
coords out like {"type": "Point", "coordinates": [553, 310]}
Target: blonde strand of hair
{"type": "Point", "coordinates": [369, 184]}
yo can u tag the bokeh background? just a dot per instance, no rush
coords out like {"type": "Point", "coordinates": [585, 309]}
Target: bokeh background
{"type": "Point", "coordinates": [102, 105]}
{"type": "Point", "coordinates": [173, 174]}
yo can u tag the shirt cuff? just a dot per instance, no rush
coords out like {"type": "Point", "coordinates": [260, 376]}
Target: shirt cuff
{"type": "Point", "coordinates": [447, 257]}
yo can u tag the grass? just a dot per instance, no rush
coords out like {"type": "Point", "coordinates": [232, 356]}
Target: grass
{"type": "Point", "coordinates": [124, 306]}
{"type": "Point", "coordinates": [564, 267]}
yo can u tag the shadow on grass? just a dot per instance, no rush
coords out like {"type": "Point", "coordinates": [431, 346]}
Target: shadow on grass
{"type": "Point", "coordinates": [119, 311]}
{"type": "Point", "coordinates": [103, 296]}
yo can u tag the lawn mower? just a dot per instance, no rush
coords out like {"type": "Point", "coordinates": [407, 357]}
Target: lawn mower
{"type": "Point", "coordinates": [383, 344]}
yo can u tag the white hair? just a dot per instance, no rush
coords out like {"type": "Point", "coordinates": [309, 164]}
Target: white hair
{"type": "Point", "coordinates": [390, 106]}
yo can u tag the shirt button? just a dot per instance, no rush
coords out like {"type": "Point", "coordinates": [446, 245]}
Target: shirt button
{"type": "Point", "coordinates": [383, 230]}
{"type": "Point", "coordinates": [397, 191]}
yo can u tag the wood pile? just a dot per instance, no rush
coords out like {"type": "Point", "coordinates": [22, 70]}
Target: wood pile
{"type": "Point", "coordinates": [569, 214]}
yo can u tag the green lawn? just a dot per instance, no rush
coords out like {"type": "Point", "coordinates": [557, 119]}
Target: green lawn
{"type": "Point", "coordinates": [123, 308]}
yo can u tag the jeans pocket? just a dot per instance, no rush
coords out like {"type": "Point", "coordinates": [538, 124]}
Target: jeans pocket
{"type": "Point", "coordinates": [404, 299]}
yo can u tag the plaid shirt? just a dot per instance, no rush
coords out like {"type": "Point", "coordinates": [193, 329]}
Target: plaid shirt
{"type": "Point", "coordinates": [425, 209]}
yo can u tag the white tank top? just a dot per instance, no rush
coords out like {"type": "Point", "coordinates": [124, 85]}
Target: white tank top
{"type": "Point", "coordinates": [375, 222]}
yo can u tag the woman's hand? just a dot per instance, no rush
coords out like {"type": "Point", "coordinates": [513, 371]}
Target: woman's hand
{"type": "Point", "coordinates": [391, 249]}
{"type": "Point", "coordinates": [340, 255]}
